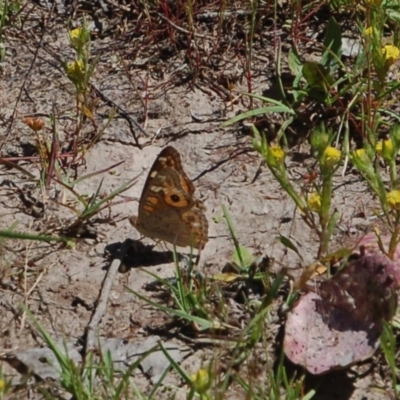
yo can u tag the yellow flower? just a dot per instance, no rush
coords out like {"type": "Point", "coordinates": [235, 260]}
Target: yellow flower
{"type": "Point", "coordinates": [2, 385]}
{"type": "Point", "coordinates": [331, 156]}
{"type": "Point", "coordinates": [277, 153]}
{"type": "Point", "coordinates": [361, 156]}
{"type": "Point", "coordinates": [391, 53]}
{"type": "Point", "coordinates": [75, 70]}
{"type": "Point", "coordinates": [201, 380]}
{"type": "Point", "coordinates": [361, 160]}
{"type": "Point", "coordinates": [361, 153]}
{"type": "Point", "coordinates": [78, 36]}
{"type": "Point", "coordinates": [75, 34]}
{"type": "Point", "coordinates": [368, 31]}
{"type": "Point", "coordinates": [385, 149]}
{"type": "Point", "coordinates": [393, 199]}
{"type": "Point", "coordinates": [314, 201]}
{"type": "Point", "coordinates": [388, 145]}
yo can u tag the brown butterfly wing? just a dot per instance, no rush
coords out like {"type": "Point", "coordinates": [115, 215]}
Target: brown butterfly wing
{"type": "Point", "coordinates": [168, 210]}
{"type": "Point", "coordinates": [170, 158]}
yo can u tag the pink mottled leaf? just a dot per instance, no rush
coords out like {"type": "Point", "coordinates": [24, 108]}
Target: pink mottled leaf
{"type": "Point", "coordinates": [340, 324]}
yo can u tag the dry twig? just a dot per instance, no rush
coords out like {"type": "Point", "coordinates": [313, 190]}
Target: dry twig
{"type": "Point", "coordinates": [101, 307]}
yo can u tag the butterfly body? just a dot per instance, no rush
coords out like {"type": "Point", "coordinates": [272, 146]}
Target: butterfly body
{"type": "Point", "coordinates": [168, 209]}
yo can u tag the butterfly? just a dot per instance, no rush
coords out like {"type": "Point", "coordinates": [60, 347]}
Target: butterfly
{"type": "Point", "coordinates": [168, 209]}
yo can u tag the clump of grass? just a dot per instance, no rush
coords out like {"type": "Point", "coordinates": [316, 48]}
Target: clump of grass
{"type": "Point", "coordinates": [60, 167]}
{"type": "Point", "coordinates": [8, 8]}
{"type": "Point", "coordinates": [361, 91]}
{"type": "Point", "coordinates": [200, 305]}
{"type": "Point", "coordinates": [388, 344]}
{"type": "Point", "coordinates": [80, 71]}
{"type": "Point", "coordinates": [97, 377]}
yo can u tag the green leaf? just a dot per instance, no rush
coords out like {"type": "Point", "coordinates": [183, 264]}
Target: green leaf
{"type": "Point", "coordinates": [294, 61]}
{"type": "Point", "coordinates": [202, 323]}
{"type": "Point", "coordinates": [319, 79]}
{"type": "Point", "coordinates": [393, 15]}
{"type": "Point", "coordinates": [259, 111]}
{"type": "Point", "coordinates": [242, 257]}
{"type": "Point", "coordinates": [333, 44]}
{"type": "Point", "coordinates": [289, 244]}
{"type": "Point", "coordinates": [317, 75]}
{"type": "Point", "coordinates": [11, 234]}
{"type": "Point", "coordinates": [297, 91]}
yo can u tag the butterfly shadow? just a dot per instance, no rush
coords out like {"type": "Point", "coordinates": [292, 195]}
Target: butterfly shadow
{"type": "Point", "coordinates": [141, 255]}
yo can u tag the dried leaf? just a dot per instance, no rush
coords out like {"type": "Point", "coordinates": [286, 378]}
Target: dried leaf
{"type": "Point", "coordinates": [227, 277]}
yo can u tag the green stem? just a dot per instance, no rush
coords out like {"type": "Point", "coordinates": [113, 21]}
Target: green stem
{"type": "Point", "coordinates": [393, 173]}
{"type": "Point", "coordinates": [325, 210]}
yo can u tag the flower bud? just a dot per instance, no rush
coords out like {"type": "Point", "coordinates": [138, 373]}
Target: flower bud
{"type": "Point", "coordinates": [393, 199]}
{"type": "Point", "coordinates": [78, 37]}
{"type": "Point", "coordinates": [277, 154]}
{"type": "Point", "coordinates": [201, 381]}
{"type": "Point", "coordinates": [331, 157]}
{"type": "Point", "coordinates": [314, 201]}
